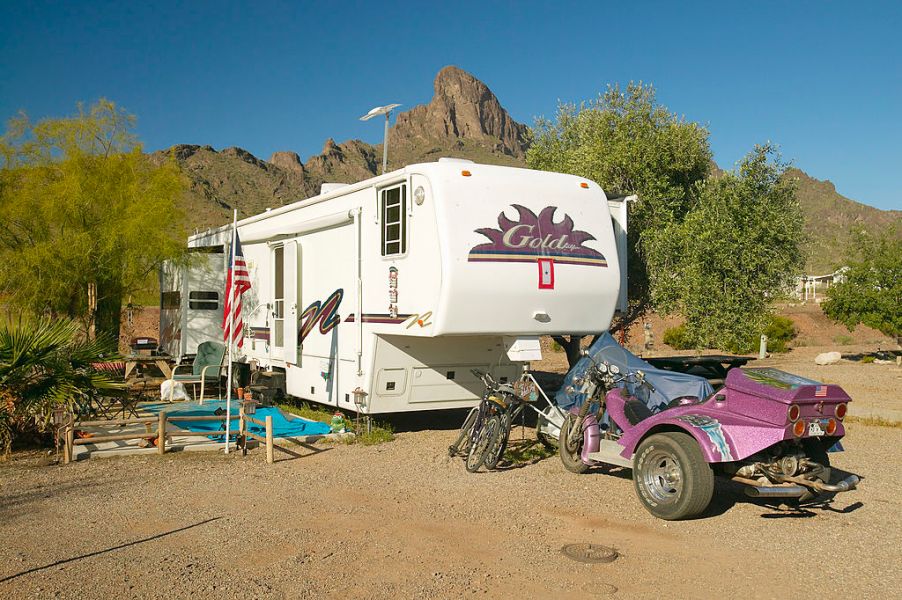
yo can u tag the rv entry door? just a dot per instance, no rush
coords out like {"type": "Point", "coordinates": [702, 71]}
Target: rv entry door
{"type": "Point", "coordinates": [285, 302]}
{"type": "Point", "coordinates": [292, 281]}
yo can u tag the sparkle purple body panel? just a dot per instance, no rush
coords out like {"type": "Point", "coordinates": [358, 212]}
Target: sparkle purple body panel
{"type": "Point", "coordinates": [747, 415]}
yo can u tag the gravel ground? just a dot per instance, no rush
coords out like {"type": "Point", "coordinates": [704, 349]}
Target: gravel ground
{"type": "Point", "coordinates": [403, 520]}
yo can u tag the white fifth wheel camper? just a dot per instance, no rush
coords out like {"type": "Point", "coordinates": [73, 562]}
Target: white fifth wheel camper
{"type": "Point", "coordinates": [399, 285]}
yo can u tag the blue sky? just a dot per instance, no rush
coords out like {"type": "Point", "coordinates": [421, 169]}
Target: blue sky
{"type": "Point", "coordinates": [821, 79]}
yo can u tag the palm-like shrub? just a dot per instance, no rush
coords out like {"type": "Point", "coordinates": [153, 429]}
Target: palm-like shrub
{"type": "Point", "coordinates": [45, 363]}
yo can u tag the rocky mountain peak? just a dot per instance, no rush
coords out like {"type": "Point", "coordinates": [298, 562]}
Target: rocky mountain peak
{"type": "Point", "coordinates": [462, 108]}
{"type": "Point", "coordinates": [288, 161]}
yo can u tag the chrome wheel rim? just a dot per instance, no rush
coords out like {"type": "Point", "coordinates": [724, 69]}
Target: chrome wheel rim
{"type": "Point", "coordinates": [662, 476]}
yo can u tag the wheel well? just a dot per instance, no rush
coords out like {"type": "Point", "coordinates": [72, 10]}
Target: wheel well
{"type": "Point", "coordinates": [663, 428]}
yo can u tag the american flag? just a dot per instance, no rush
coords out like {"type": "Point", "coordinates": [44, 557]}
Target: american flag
{"type": "Point", "coordinates": [237, 282]}
{"type": "Point", "coordinates": [820, 391]}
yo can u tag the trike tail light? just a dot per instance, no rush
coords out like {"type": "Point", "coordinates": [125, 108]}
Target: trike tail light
{"type": "Point", "coordinates": [794, 413]}
{"type": "Point", "coordinates": [831, 427]}
{"type": "Point", "coordinates": [841, 410]}
{"type": "Point", "coordinates": [798, 429]}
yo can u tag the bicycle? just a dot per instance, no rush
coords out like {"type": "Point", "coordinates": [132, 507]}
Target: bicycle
{"type": "Point", "coordinates": [482, 425]}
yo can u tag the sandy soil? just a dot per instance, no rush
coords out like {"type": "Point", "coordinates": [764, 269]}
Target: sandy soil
{"type": "Point", "coordinates": [402, 520]}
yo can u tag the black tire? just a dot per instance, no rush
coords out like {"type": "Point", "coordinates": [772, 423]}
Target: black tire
{"type": "Point", "coordinates": [462, 443]}
{"type": "Point", "coordinates": [499, 444]}
{"type": "Point", "coordinates": [816, 452]}
{"type": "Point", "coordinates": [570, 450]}
{"type": "Point", "coordinates": [671, 477]}
{"type": "Point", "coordinates": [484, 438]}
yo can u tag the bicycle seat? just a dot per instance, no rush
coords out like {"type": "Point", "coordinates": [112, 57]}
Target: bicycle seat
{"type": "Point", "coordinates": [506, 389]}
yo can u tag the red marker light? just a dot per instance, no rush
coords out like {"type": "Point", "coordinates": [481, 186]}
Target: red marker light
{"type": "Point", "coordinates": [841, 410]}
{"type": "Point", "coordinates": [794, 413]}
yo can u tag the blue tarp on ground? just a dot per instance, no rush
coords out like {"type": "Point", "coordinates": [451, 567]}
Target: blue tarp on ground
{"type": "Point", "coordinates": [668, 384]}
{"type": "Point", "coordinates": [283, 425]}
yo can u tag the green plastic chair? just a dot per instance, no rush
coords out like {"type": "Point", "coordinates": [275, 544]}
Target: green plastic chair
{"type": "Point", "coordinates": [207, 366]}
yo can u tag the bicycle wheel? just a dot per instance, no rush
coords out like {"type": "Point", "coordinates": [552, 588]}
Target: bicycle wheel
{"type": "Point", "coordinates": [462, 443]}
{"type": "Point", "coordinates": [499, 444]}
{"type": "Point", "coordinates": [476, 454]}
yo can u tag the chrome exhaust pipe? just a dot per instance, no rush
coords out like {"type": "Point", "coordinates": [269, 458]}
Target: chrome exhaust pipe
{"type": "Point", "coordinates": [849, 483]}
{"type": "Point", "coordinates": [777, 491]}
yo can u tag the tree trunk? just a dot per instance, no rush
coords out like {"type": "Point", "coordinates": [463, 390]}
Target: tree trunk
{"type": "Point", "coordinates": [570, 346]}
{"type": "Point", "coordinates": [109, 313]}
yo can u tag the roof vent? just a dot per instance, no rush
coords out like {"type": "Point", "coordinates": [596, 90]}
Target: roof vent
{"type": "Point", "coordinates": [331, 187]}
{"type": "Point", "coordinates": [447, 159]}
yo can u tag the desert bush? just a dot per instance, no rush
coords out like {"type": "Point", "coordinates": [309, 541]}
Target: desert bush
{"type": "Point", "coordinates": [842, 340]}
{"type": "Point", "coordinates": [780, 331]}
{"type": "Point", "coordinates": [677, 338]}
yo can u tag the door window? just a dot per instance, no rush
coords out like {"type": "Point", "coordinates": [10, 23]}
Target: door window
{"type": "Point", "coordinates": [278, 297]}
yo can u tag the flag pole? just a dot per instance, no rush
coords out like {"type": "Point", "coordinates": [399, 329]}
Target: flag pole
{"type": "Point", "coordinates": [228, 421]}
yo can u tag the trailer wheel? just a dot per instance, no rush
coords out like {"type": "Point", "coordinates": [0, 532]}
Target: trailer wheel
{"type": "Point", "coordinates": [671, 476]}
{"type": "Point", "coordinates": [570, 449]}
{"type": "Point", "coordinates": [476, 454]}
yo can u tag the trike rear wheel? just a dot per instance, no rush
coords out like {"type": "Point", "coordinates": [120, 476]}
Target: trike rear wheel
{"type": "Point", "coordinates": [672, 478]}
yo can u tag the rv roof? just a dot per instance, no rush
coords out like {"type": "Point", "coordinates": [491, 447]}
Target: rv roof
{"type": "Point", "coordinates": [420, 168]}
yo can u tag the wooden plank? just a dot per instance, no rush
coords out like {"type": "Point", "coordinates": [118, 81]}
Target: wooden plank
{"type": "Point", "coordinates": [133, 421]}
{"type": "Point", "coordinates": [255, 421]}
{"type": "Point", "coordinates": [195, 419]}
{"type": "Point", "coordinates": [203, 433]}
{"type": "Point", "coordinates": [115, 437]}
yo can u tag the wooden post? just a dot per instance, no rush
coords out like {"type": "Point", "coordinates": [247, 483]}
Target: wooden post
{"type": "Point", "coordinates": [70, 440]}
{"type": "Point", "coordinates": [242, 436]}
{"type": "Point", "coordinates": [269, 451]}
{"type": "Point", "coordinates": [161, 433]}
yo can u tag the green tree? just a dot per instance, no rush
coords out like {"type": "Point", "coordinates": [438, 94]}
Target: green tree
{"type": "Point", "coordinates": [872, 290]}
{"type": "Point", "coordinates": [738, 247]}
{"type": "Point", "coordinates": [80, 204]}
{"type": "Point", "coordinates": [629, 144]}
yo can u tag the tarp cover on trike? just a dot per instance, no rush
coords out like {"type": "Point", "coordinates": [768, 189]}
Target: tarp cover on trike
{"type": "Point", "coordinates": [667, 384]}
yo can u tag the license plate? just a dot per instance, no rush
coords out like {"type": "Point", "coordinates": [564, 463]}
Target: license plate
{"type": "Point", "coordinates": [814, 428]}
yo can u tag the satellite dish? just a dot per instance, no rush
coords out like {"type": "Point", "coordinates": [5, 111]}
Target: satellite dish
{"type": "Point", "coordinates": [379, 110]}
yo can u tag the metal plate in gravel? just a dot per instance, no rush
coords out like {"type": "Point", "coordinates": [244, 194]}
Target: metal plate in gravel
{"type": "Point", "coordinates": [589, 553]}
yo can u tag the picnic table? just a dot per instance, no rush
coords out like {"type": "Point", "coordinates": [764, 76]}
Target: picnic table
{"type": "Point", "coordinates": [713, 366]}
{"type": "Point", "coordinates": [161, 362]}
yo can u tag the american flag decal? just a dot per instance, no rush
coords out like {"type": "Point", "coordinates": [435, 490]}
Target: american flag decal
{"type": "Point", "coordinates": [820, 391]}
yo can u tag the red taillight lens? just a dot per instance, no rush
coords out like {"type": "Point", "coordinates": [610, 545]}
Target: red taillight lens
{"type": "Point", "coordinates": [799, 428]}
{"type": "Point", "coordinates": [794, 413]}
{"type": "Point", "coordinates": [831, 427]}
{"type": "Point", "coordinates": [841, 410]}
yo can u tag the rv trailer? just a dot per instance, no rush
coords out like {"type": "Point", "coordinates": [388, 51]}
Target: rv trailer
{"type": "Point", "coordinates": [399, 285]}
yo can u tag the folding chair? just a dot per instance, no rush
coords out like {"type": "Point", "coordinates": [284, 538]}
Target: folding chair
{"type": "Point", "coordinates": [207, 366]}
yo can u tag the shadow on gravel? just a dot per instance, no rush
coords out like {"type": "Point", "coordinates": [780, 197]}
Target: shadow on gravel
{"type": "Point", "coordinates": [105, 550]}
{"type": "Point", "coordinates": [18, 503]}
{"type": "Point", "coordinates": [727, 494]}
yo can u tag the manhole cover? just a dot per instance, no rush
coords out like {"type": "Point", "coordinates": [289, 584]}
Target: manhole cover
{"type": "Point", "coordinates": [589, 553]}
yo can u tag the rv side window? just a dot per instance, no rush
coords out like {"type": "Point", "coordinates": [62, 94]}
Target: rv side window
{"type": "Point", "coordinates": [393, 206]}
{"type": "Point", "coordinates": [203, 300]}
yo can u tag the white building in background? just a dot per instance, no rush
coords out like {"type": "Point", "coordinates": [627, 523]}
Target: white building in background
{"type": "Point", "coordinates": [814, 287]}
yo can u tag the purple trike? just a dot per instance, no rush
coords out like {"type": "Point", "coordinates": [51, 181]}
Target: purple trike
{"type": "Point", "coordinates": [766, 429]}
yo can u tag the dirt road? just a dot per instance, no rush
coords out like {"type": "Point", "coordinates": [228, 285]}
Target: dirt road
{"type": "Point", "coordinates": [402, 520]}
